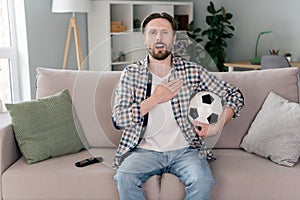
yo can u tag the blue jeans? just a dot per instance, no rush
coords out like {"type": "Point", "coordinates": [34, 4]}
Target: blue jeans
{"type": "Point", "coordinates": [193, 171]}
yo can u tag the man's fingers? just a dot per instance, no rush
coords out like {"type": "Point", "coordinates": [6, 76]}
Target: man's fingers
{"type": "Point", "coordinates": [197, 123]}
{"type": "Point", "coordinates": [173, 82]}
{"type": "Point", "coordinates": [176, 91]}
{"type": "Point", "coordinates": [174, 85]}
{"type": "Point", "coordinates": [164, 82]}
{"type": "Point", "coordinates": [200, 132]}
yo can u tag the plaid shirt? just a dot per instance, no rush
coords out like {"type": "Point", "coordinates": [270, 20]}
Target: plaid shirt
{"type": "Point", "coordinates": [131, 91]}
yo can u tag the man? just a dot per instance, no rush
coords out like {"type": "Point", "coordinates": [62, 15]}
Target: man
{"type": "Point", "coordinates": [151, 106]}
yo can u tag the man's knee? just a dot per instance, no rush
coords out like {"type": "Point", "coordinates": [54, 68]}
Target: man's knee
{"type": "Point", "coordinates": [125, 178]}
{"type": "Point", "coordinates": [200, 177]}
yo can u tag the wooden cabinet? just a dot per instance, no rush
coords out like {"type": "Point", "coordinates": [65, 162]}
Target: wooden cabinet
{"type": "Point", "coordinates": [113, 50]}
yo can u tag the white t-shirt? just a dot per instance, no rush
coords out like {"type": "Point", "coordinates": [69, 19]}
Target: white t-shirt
{"type": "Point", "coordinates": [162, 132]}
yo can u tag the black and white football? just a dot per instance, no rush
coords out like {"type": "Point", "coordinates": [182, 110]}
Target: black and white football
{"type": "Point", "coordinates": [205, 107]}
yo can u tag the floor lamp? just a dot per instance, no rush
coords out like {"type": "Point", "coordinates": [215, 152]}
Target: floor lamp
{"type": "Point", "coordinates": [71, 6]}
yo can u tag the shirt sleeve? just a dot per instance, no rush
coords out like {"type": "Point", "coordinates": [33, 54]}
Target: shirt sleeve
{"type": "Point", "coordinates": [126, 111]}
{"type": "Point", "coordinates": [231, 95]}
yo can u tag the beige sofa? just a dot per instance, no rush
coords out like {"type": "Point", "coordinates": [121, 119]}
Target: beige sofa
{"type": "Point", "coordinates": [239, 175]}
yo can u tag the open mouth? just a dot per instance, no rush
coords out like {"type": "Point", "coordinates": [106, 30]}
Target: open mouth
{"type": "Point", "coordinates": [159, 46]}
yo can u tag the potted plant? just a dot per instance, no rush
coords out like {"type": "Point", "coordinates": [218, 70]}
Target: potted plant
{"type": "Point", "coordinates": [273, 51]}
{"type": "Point", "coordinates": [220, 29]}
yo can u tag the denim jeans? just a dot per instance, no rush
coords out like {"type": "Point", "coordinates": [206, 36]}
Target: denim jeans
{"type": "Point", "coordinates": [193, 171]}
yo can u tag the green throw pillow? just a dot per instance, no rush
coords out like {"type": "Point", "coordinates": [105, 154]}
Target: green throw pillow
{"type": "Point", "coordinates": [45, 128]}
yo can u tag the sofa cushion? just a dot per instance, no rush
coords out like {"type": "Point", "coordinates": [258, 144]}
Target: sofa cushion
{"type": "Point", "coordinates": [255, 86]}
{"type": "Point", "coordinates": [60, 179]}
{"type": "Point", "coordinates": [275, 132]}
{"type": "Point", "coordinates": [91, 93]}
{"type": "Point", "coordinates": [46, 127]}
{"type": "Point", "coordinates": [240, 175]}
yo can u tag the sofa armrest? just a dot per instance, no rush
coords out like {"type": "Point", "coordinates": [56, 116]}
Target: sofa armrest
{"type": "Point", "coordinates": [9, 151]}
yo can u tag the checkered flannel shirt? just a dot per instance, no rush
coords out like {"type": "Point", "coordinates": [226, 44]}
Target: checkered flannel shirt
{"type": "Point", "coordinates": [131, 91]}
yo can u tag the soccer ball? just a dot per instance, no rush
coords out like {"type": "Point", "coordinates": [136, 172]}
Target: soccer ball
{"type": "Point", "coordinates": [205, 107]}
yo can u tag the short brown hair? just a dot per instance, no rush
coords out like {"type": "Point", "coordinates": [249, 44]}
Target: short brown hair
{"type": "Point", "coordinates": [159, 15]}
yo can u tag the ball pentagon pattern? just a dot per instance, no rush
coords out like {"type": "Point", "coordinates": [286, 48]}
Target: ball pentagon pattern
{"type": "Point", "coordinates": [205, 107]}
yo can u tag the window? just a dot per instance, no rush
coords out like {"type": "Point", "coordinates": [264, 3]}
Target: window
{"type": "Point", "coordinates": [5, 91]}
{"type": "Point", "coordinates": [14, 80]}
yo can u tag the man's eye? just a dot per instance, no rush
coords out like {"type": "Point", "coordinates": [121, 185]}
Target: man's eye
{"type": "Point", "coordinates": [152, 32]}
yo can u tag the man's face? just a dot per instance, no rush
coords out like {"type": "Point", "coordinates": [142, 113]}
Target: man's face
{"type": "Point", "coordinates": [159, 38]}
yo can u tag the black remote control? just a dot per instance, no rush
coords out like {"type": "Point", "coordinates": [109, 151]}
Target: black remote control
{"type": "Point", "coordinates": [88, 161]}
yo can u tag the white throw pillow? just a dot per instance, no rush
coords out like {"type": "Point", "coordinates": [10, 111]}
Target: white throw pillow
{"type": "Point", "coordinates": [275, 132]}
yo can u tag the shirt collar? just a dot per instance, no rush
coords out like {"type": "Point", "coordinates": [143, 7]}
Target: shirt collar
{"type": "Point", "coordinates": [177, 62]}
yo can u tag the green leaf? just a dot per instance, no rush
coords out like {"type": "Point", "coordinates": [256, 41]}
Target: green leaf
{"type": "Point", "coordinates": [231, 27]}
{"type": "Point", "coordinates": [189, 27]}
{"type": "Point", "coordinates": [204, 33]}
{"type": "Point", "coordinates": [197, 30]}
{"type": "Point", "coordinates": [209, 20]}
{"type": "Point", "coordinates": [211, 8]}
{"type": "Point", "coordinates": [229, 35]}
{"type": "Point", "coordinates": [224, 54]}
{"type": "Point", "coordinates": [229, 16]}
{"type": "Point", "coordinates": [219, 10]}
{"type": "Point", "coordinates": [219, 42]}
{"type": "Point", "coordinates": [216, 20]}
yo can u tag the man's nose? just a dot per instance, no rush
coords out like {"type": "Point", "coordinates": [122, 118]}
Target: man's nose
{"type": "Point", "coordinates": [158, 36]}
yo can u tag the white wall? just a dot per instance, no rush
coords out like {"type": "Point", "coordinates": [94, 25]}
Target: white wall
{"type": "Point", "coordinates": [254, 16]}
{"type": "Point", "coordinates": [47, 33]}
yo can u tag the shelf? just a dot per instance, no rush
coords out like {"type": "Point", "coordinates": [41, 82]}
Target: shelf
{"type": "Point", "coordinates": [129, 42]}
{"type": "Point", "coordinates": [125, 33]}
{"type": "Point", "coordinates": [122, 63]}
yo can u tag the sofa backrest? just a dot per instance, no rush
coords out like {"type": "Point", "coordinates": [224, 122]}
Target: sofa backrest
{"type": "Point", "coordinates": [255, 86]}
{"type": "Point", "coordinates": [91, 94]}
{"type": "Point", "coordinates": [92, 97]}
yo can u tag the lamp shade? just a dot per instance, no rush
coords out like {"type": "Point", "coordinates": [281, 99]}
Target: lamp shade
{"type": "Point", "coordinates": [67, 6]}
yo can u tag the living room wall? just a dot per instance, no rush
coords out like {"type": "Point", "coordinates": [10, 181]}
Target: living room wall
{"type": "Point", "coordinates": [47, 31]}
{"type": "Point", "coordinates": [251, 18]}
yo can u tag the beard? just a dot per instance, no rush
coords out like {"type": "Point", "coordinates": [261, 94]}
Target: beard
{"type": "Point", "coordinates": [159, 53]}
